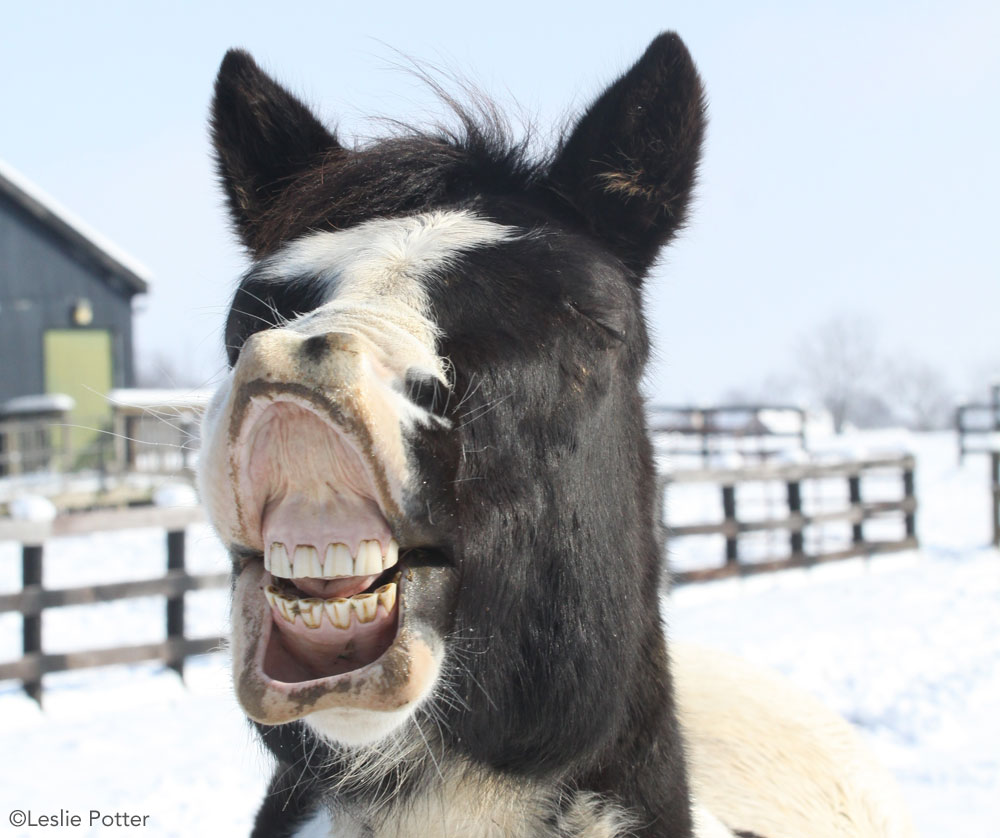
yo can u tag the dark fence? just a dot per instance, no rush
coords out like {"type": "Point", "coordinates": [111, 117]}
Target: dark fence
{"type": "Point", "coordinates": [995, 488]}
{"type": "Point", "coordinates": [755, 431]}
{"type": "Point", "coordinates": [795, 521]}
{"type": "Point", "coordinates": [978, 429]}
{"type": "Point", "coordinates": [976, 424]}
{"type": "Point", "coordinates": [33, 600]}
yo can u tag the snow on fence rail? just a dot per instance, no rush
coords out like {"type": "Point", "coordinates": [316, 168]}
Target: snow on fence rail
{"type": "Point", "coordinates": [760, 431]}
{"type": "Point", "coordinates": [795, 520]}
{"type": "Point", "coordinates": [33, 600]}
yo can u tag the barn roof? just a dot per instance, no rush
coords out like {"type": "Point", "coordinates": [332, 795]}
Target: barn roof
{"type": "Point", "coordinates": [70, 228]}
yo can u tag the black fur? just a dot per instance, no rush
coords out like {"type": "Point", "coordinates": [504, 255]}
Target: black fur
{"type": "Point", "coordinates": [541, 494]}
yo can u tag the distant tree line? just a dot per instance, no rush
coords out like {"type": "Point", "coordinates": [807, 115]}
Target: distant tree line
{"type": "Point", "coordinates": [840, 367]}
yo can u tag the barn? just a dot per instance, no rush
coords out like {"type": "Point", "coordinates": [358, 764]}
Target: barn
{"type": "Point", "coordinates": [65, 307]}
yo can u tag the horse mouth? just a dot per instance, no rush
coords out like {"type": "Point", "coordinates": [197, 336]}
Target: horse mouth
{"type": "Point", "coordinates": [318, 637]}
{"type": "Point", "coordinates": [320, 617]}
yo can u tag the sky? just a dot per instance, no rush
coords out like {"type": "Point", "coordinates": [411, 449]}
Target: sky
{"type": "Point", "coordinates": [851, 167]}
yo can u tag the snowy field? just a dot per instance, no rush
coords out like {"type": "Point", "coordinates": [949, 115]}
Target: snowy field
{"type": "Point", "coordinates": [907, 647]}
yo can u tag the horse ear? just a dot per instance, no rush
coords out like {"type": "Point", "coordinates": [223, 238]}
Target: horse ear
{"type": "Point", "coordinates": [629, 164]}
{"type": "Point", "coordinates": [264, 137]}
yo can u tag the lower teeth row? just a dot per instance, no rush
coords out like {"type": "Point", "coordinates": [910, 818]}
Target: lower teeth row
{"type": "Point", "coordinates": [338, 610]}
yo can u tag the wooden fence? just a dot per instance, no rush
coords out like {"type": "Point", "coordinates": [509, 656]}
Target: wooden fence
{"type": "Point", "coordinates": [33, 600]}
{"type": "Point", "coordinates": [755, 431]}
{"type": "Point", "coordinates": [144, 431]}
{"type": "Point", "coordinates": [977, 424]}
{"type": "Point", "coordinates": [796, 520]}
{"type": "Point", "coordinates": [34, 434]}
{"type": "Point", "coordinates": [978, 428]}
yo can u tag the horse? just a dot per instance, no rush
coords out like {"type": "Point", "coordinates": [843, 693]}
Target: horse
{"type": "Point", "coordinates": [430, 464]}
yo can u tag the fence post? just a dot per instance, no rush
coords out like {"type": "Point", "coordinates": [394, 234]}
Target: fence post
{"type": "Point", "coordinates": [659, 515]}
{"type": "Point", "coordinates": [31, 574]}
{"type": "Point", "coordinates": [729, 514]}
{"type": "Point", "coordinates": [175, 604]}
{"type": "Point", "coordinates": [910, 518]}
{"type": "Point", "coordinates": [960, 431]}
{"type": "Point", "coordinates": [995, 472]}
{"type": "Point", "coordinates": [796, 540]}
{"type": "Point", "coordinates": [854, 492]}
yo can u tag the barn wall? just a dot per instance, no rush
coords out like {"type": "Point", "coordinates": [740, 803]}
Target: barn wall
{"type": "Point", "coordinates": [41, 277]}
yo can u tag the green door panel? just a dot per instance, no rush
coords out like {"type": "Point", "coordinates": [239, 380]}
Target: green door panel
{"type": "Point", "coordinates": [78, 362]}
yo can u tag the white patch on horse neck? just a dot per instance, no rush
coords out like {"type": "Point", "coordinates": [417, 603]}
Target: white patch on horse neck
{"type": "Point", "coordinates": [379, 272]}
{"type": "Point", "coordinates": [480, 803]}
{"type": "Point", "coordinates": [767, 758]}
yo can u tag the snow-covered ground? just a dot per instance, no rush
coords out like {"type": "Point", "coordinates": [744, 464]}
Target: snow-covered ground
{"type": "Point", "coordinates": [905, 646]}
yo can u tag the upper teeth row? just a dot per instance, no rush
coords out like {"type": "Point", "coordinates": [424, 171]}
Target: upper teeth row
{"type": "Point", "coordinates": [336, 561]}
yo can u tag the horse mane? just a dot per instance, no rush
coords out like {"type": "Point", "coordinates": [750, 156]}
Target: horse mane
{"type": "Point", "coordinates": [475, 152]}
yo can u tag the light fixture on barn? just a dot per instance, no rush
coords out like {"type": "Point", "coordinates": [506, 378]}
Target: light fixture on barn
{"type": "Point", "coordinates": [82, 313]}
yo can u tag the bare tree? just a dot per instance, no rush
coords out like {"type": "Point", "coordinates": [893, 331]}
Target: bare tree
{"type": "Point", "coordinates": [839, 364]}
{"type": "Point", "coordinates": [919, 394]}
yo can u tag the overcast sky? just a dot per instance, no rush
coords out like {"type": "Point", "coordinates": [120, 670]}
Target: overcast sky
{"type": "Point", "coordinates": [852, 162]}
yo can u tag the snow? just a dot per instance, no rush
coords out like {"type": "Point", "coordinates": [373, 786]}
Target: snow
{"type": "Point", "coordinates": [175, 494]}
{"type": "Point", "coordinates": [161, 399]}
{"type": "Point", "coordinates": [34, 508]}
{"type": "Point", "coordinates": [906, 646]}
{"type": "Point", "coordinates": [47, 403]}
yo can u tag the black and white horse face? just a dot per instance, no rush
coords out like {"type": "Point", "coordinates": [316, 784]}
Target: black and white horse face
{"type": "Point", "coordinates": [429, 459]}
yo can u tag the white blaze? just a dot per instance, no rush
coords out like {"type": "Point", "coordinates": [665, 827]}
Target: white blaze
{"type": "Point", "coordinates": [379, 273]}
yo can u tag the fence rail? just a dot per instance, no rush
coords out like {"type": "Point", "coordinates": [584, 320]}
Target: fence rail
{"type": "Point", "coordinates": [796, 521]}
{"type": "Point", "coordinates": [33, 600]}
{"type": "Point", "coordinates": [759, 431]}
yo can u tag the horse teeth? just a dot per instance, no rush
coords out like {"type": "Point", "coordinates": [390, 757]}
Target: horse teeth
{"type": "Point", "coordinates": [306, 562]}
{"type": "Point", "coordinates": [276, 560]}
{"type": "Point", "coordinates": [311, 610]}
{"type": "Point", "coordinates": [337, 561]}
{"type": "Point", "coordinates": [368, 562]}
{"type": "Point", "coordinates": [365, 606]}
{"type": "Point", "coordinates": [271, 593]}
{"type": "Point", "coordinates": [284, 604]}
{"type": "Point", "coordinates": [338, 611]}
{"type": "Point", "coordinates": [387, 596]}
{"type": "Point", "coordinates": [391, 554]}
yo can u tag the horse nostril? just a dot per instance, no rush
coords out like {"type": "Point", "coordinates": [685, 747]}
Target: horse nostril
{"type": "Point", "coordinates": [316, 347]}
